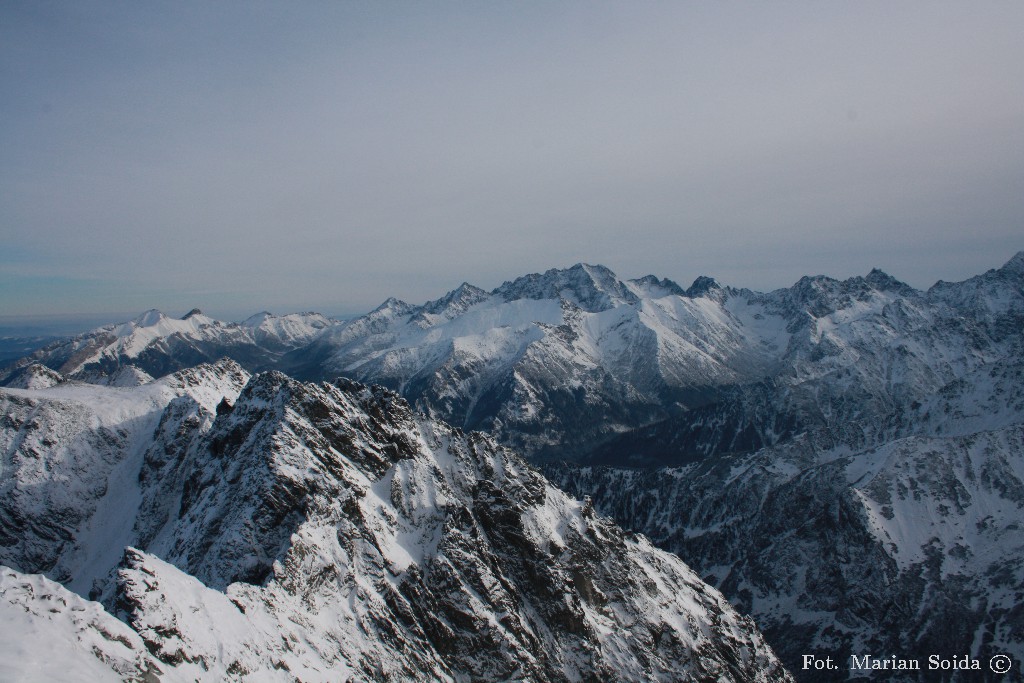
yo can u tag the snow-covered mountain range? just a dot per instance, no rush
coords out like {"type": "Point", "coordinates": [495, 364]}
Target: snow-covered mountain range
{"type": "Point", "coordinates": [868, 496]}
{"type": "Point", "coordinates": [552, 364]}
{"type": "Point", "coordinates": [262, 529]}
{"type": "Point", "coordinates": [555, 363]}
{"type": "Point", "coordinates": [158, 345]}
{"type": "Point", "coordinates": [578, 363]}
{"type": "Point", "coordinates": [841, 458]}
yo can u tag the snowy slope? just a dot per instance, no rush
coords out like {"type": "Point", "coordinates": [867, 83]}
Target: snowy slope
{"type": "Point", "coordinates": [48, 633]}
{"type": "Point", "coordinates": [72, 453]}
{"type": "Point", "coordinates": [327, 532]}
{"type": "Point", "coordinates": [157, 345]}
{"type": "Point", "coordinates": [556, 361]}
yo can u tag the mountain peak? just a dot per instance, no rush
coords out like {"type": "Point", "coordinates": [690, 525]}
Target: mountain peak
{"type": "Point", "coordinates": [393, 306]}
{"type": "Point", "coordinates": [1015, 265]}
{"type": "Point", "coordinates": [651, 283]}
{"type": "Point", "coordinates": [455, 301]}
{"type": "Point", "coordinates": [257, 319]}
{"type": "Point", "coordinates": [883, 282]}
{"type": "Point", "coordinates": [192, 313]}
{"type": "Point", "coordinates": [591, 287]}
{"type": "Point", "coordinates": [35, 376]}
{"type": "Point", "coordinates": [703, 286]}
{"type": "Point", "coordinates": [149, 318]}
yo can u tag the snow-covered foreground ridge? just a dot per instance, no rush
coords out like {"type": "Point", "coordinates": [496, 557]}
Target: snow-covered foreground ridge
{"type": "Point", "coordinates": [320, 532]}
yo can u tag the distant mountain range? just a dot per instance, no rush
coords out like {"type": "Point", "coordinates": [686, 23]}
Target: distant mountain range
{"type": "Point", "coordinates": [578, 364]}
{"type": "Point", "coordinates": [158, 345]}
{"type": "Point", "coordinates": [842, 458]}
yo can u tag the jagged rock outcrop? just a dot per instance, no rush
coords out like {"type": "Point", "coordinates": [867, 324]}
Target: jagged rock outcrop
{"type": "Point", "coordinates": [71, 454]}
{"type": "Point", "coordinates": [35, 376]}
{"type": "Point", "coordinates": [327, 531]}
{"type": "Point", "coordinates": [913, 547]}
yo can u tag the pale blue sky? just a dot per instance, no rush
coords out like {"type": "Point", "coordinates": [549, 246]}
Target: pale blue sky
{"type": "Point", "coordinates": [325, 155]}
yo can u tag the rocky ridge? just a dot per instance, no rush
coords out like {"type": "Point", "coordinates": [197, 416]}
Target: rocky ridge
{"type": "Point", "coordinates": [300, 531]}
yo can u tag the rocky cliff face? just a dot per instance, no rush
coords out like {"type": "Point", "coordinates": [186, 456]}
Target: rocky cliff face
{"type": "Point", "coordinates": [327, 532]}
{"type": "Point", "coordinates": [912, 548]}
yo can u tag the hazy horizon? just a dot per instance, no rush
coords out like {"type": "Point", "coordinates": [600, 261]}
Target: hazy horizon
{"type": "Point", "coordinates": [66, 324]}
{"type": "Point", "coordinates": [245, 156]}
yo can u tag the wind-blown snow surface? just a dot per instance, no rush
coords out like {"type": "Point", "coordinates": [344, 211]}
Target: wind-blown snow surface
{"type": "Point", "coordinates": [326, 532]}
